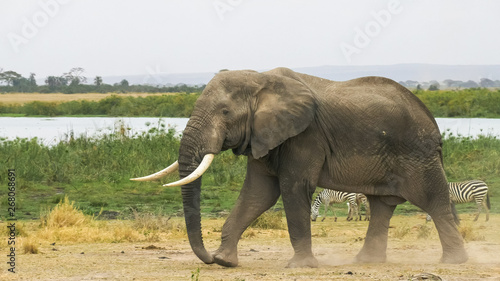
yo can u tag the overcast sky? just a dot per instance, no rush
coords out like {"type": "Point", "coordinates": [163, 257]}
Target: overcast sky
{"type": "Point", "coordinates": [122, 37]}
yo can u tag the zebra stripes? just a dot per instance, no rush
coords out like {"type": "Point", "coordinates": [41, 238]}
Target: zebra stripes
{"type": "Point", "coordinates": [328, 197]}
{"type": "Point", "coordinates": [468, 191]}
{"type": "Point", "coordinates": [360, 200]}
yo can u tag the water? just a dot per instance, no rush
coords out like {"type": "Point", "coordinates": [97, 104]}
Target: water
{"type": "Point", "coordinates": [52, 130]}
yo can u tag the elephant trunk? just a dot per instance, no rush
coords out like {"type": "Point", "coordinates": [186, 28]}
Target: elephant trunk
{"type": "Point", "coordinates": [191, 202]}
{"type": "Point", "coordinates": [190, 158]}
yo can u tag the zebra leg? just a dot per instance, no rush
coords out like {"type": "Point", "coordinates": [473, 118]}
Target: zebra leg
{"type": "Point", "coordinates": [479, 207]}
{"type": "Point", "coordinates": [357, 211]}
{"type": "Point", "coordinates": [349, 213]}
{"type": "Point", "coordinates": [354, 211]}
{"type": "Point", "coordinates": [334, 214]}
{"type": "Point", "coordinates": [327, 205]}
{"type": "Point", "coordinates": [367, 210]}
{"type": "Point", "coordinates": [375, 246]}
{"type": "Point", "coordinates": [260, 192]}
{"type": "Point", "coordinates": [486, 209]}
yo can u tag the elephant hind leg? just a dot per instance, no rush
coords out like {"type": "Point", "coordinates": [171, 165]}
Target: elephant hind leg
{"type": "Point", "coordinates": [375, 246]}
{"type": "Point", "coordinates": [432, 196]}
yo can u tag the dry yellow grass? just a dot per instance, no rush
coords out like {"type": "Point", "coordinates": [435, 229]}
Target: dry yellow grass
{"type": "Point", "coordinates": [262, 255]}
{"type": "Point", "coordinates": [66, 223]}
{"type": "Point", "coordinates": [22, 98]}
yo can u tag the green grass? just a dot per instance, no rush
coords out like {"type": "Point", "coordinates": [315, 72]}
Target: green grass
{"type": "Point", "coordinates": [95, 173]}
{"type": "Point", "coordinates": [180, 105]}
{"type": "Point", "coordinates": [478, 102]}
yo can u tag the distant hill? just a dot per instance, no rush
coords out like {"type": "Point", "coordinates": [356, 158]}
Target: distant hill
{"type": "Point", "coordinates": [398, 72]}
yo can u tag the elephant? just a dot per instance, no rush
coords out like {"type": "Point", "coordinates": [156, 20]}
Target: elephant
{"type": "Point", "coordinates": [368, 135]}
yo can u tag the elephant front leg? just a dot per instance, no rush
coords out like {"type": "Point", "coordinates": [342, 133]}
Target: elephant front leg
{"type": "Point", "coordinates": [375, 246]}
{"type": "Point", "coordinates": [297, 203]}
{"type": "Point", "coordinates": [260, 192]}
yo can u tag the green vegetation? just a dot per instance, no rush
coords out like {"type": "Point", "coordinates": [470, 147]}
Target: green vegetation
{"type": "Point", "coordinates": [179, 105]}
{"type": "Point", "coordinates": [477, 102]}
{"type": "Point", "coordinates": [95, 173]}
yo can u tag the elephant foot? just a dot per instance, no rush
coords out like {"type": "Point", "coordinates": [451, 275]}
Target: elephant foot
{"type": "Point", "coordinates": [455, 257]}
{"type": "Point", "coordinates": [303, 261]}
{"type": "Point", "coordinates": [364, 257]}
{"type": "Point", "coordinates": [226, 258]}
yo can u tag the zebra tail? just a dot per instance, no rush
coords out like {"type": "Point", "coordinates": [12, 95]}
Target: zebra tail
{"type": "Point", "coordinates": [488, 201]}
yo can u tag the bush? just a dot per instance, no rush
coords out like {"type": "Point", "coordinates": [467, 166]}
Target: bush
{"type": "Point", "coordinates": [269, 220]}
{"type": "Point", "coordinates": [64, 214]}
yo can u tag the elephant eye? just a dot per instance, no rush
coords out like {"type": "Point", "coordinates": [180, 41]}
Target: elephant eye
{"type": "Point", "coordinates": [225, 111]}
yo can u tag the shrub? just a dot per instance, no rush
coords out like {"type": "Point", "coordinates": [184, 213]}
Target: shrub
{"type": "Point", "coordinates": [269, 220]}
{"type": "Point", "coordinates": [30, 246]}
{"type": "Point", "coordinates": [469, 233]}
{"type": "Point", "coordinates": [64, 214]}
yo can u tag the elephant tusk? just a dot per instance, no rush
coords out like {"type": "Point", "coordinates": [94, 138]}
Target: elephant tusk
{"type": "Point", "coordinates": [158, 175]}
{"type": "Point", "coordinates": [205, 163]}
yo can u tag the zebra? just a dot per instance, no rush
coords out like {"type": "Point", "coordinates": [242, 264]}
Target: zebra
{"type": "Point", "coordinates": [468, 191]}
{"type": "Point", "coordinates": [328, 197]}
{"type": "Point", "coordinates": [360, 200]}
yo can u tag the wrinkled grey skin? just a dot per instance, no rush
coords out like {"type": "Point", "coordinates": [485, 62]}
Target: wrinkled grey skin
{"type": "Point", "coordinates": [369, 135]}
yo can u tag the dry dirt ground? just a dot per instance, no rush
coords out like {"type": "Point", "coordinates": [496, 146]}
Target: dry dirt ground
{"type": "Point", "coordinates": [263, 255]}
{"type": "Point", "coordinates": [21, 98]}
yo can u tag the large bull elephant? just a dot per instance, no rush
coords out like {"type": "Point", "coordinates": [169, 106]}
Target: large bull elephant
{"type": "Point", "coordinates": [368, 135]}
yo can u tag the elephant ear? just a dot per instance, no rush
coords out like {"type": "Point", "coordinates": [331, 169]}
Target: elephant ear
{"type": "Point", "coordinates": [284, 108]}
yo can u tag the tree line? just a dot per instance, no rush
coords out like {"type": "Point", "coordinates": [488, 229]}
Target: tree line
{"type": "Point", "coordinates": [74, 81]}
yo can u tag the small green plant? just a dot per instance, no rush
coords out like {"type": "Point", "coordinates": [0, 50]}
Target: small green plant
{"type": "Point", "coordinates": [195, 274]}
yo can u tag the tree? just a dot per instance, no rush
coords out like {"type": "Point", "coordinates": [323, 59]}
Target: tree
{"type": "Point", "coordinates": [9, 77]}
{"type": "Point", "coordinates": [487, 83]}
{"type": "Point", "coordinates": [469, 84]}
{"type": "Point", "coordinates": [434, 87]}
{"type": "Point", "coordinates": [124, 83]}
{"type": "Point", "coordinates": [32, 79]}
{"type": "Point", "coordinates": [75, 76]}
{"type": "Point", "coordinates": [54, 81]}
{"type": "Point", "coordinates": [98, 81]}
